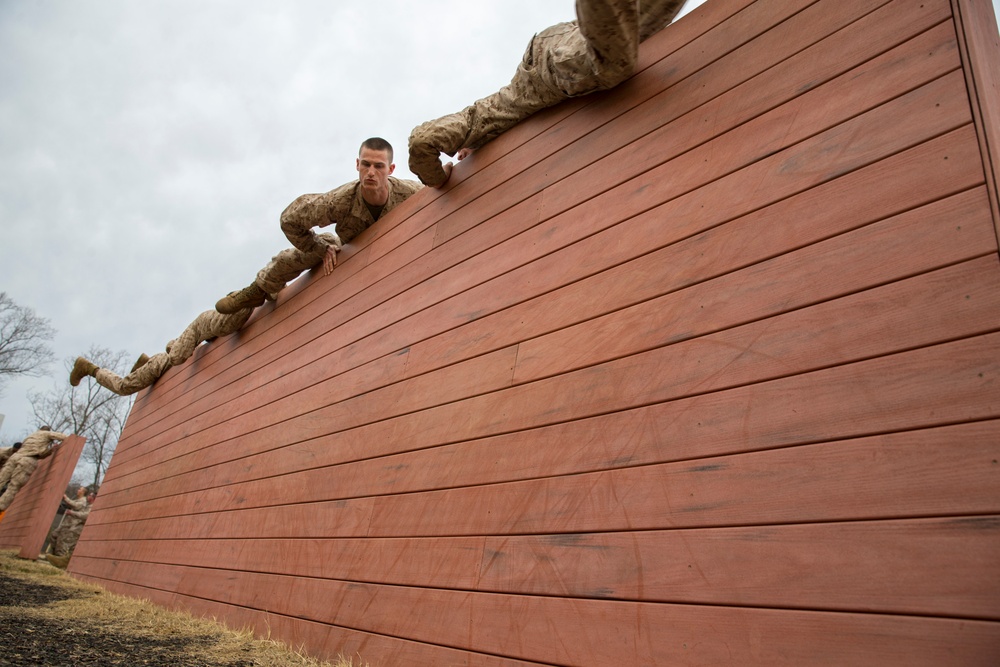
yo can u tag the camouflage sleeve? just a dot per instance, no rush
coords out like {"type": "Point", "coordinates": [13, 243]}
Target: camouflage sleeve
{"type": "Point", "coordinates": [654, 15]}
{"type": "Point", "coordinates": [81, 513]}
{"type": "Point", "coordinates": [408, 188]}
{"type": "Point", "coordinates": [428, 140]}
{"type": "Point", "coordinates": [319, 210]}
{"type": "Point", "coordinates": [297, 221]}
{"type": "Point", "coordinates": [75, 504]}
{"type": "Point", "coordinates": [527, 92]}
{"type": "Point", "coordinates": [399, 191]}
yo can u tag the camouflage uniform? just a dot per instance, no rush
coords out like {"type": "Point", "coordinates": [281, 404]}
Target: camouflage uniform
{"type": "Point", "coordinates": [597, 51]}
{"type": "Point", "coordinates": [138, 379]}
{"type": "Point", "coordinates": [343, 207]}
{"type": "Point", "coordinates": [22, 463]}
{"type": "Point", "coordinates": [5, 454]}
{"type": "Point", "coordinates": [65, 537]}
{"type": "Point", "coordinates": [207, 326]}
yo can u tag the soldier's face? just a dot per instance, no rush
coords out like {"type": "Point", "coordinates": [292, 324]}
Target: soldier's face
{"type": "Point", "coordinates": [374, 169]}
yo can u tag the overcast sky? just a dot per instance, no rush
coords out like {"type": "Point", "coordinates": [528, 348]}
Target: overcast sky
{"type": "Point", "coordinates": [148, 148]}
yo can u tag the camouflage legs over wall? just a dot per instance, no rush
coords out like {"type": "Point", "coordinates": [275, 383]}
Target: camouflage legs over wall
{"type": "Point", "coordinates": [140, 378]}
{"type": "Point", "coordinates": [15, 474]}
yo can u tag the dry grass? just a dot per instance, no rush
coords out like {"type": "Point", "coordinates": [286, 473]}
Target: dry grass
{"type": "Point", "coordinates": [208, 640]}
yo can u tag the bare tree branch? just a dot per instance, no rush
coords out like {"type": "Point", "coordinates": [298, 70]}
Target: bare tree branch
{"type": "Point", "coordinates": [23, 336]}
{"type": "Point", "coordinates": [88, 410]}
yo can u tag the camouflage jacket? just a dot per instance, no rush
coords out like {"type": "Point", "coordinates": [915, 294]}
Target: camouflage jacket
{"type": "Point", "coordinates": [37, 444]}
{"type": "Point", "coordinates": [343, 207]}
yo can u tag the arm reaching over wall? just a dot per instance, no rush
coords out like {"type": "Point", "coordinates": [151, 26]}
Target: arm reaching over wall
{"type": "Point", "coordinates": [596, 52]}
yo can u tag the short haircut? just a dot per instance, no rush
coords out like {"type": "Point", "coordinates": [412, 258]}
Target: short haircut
{"type": "Point", "coordinates": [377, 144]}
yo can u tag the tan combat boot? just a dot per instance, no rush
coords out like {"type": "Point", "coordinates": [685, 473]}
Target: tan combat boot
{"type": "Point", "coordinates": [140, 362]}
{"type": "Point", "coordinates": [81, 369]}
{"type": "Point", "coordinates": [59, 561]}
{"type": "Point", "coordinates": [248, 297]}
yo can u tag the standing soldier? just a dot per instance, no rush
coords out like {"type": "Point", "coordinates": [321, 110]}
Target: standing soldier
{"type": "Point", "coordinates": [21, 464]}
{"type": "Point", "coordinates": [65, 537]}
{"type": "Point", "coordinates": [67, 504]}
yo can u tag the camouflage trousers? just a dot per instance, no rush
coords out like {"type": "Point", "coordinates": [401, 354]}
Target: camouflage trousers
{"type": "Point", "coordinates": [14, 475]}
{"type": "Point", "coordinates": [65, 537]}
{"type": "Point", "coordinates": [289, 264]}
{"type": "Point", "coordinates": [140, 378]}
{"type": "Point", "coordinates": [208, 325]}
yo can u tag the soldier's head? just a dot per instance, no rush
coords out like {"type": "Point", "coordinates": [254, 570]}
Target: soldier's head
{"type": "Point", "coordinates": [374, 166]}
{"type": "Point", "coordinates": [377, 144]}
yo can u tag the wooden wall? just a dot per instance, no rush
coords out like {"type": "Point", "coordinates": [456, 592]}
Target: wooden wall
{"type": "Point", "coordinates": [28, 520]}
{"type": "Point", "coordinates": [704, 370]}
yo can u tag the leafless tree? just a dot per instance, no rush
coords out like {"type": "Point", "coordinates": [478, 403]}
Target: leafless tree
{"type": "Point", "coordinates": [88, 410]}
{"type": "Point", "coordinates": [23, 337]}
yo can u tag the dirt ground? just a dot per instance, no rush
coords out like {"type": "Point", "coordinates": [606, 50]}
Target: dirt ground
{"type": "Point", "coordinates": [49, 619]}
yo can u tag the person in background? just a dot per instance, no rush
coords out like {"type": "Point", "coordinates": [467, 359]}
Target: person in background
{"type": "Point", "coordinates": [66, 536]}
{"type": "Point", "coordinates": [79, 502]}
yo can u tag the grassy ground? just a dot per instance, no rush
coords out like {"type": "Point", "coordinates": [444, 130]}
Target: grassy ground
{"type": "Point", "coordinates": [50, 618]}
